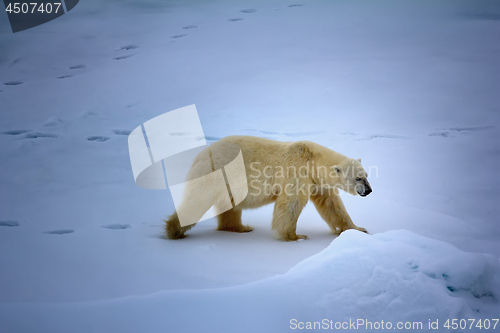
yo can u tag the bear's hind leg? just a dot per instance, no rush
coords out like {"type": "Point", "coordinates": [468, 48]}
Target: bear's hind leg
{"type": "Point", "coordinates": [231, 221]}
{"type": "Point", "coordinates": [286, 213]}
{"type": "Point", "coordinates": [173, 227]}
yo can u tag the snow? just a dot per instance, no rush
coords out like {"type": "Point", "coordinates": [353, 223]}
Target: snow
{"type": "Point", "coordinates": [410, 87]}
{"type": "Point", "coordinates": [393, 276]}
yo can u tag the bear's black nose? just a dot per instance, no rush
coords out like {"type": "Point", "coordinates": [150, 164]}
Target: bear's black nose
{"type": "Point", "coordinates": [368, 191]}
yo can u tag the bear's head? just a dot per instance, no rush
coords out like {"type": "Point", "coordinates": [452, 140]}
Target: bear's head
{"type": "Point", "coordinates": [348, 174]}
{"type": "Point", "coordinates": [352, 177]}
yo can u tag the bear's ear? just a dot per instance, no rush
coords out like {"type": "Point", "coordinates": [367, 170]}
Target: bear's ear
{"type": "Point", "coordinates": [359, 160]}
{"type": "Point", "coordinates": [304, 151]}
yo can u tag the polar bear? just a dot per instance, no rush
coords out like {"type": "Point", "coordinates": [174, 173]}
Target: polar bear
{"type": "Point", "coordinates": [288, 174]}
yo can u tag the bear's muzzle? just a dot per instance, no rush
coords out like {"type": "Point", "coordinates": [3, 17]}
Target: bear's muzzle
{"type": "Point", "coordinates": [365, 188]}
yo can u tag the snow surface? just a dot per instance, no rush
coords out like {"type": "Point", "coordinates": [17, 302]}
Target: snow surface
{"type": "Point", "coordinates": [393, 276]}
{"type": "Point", "coordinates": [410, 87]}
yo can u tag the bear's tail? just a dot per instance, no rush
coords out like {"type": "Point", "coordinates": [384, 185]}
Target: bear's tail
{"type": "Point", "coordinates": [173, 228]}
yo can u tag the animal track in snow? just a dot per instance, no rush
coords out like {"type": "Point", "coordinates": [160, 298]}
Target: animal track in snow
{"type": "Point", "coordinates": [186, 134]}
{"type": "Point", "coordinates": [190, 27]}
{"type": "Point", "coordinates": [15, 62]}
{"type": "Point", "coordinates": [117, 226]}
{"type": "Point", "coordinates": [59, 232]}
{"type": "Point", "coordinates": [98, 138]}
{"type": "Point", "coordinates": [385, 136]}
{"type": "Point", "coordinates": [64, 76]}
{"type": "Point", "coordinates": [121, 132]}
{"type": "Point", "coordinates": [212, 138]}
{"type": "Point", "coordinates": [470, 129]}
{"type": "Point", "coordinates": [13, 83]}
{"type": "Point", "coordinates": [248, 11]}
{"type": "Point", "coordinates": [375, 136]}
{"type": "Point", "coordinates": [290, 134]}
{"type": "Point", "coordinates": [52, 122]}
{"type": "Point", "coordinates": [15, 132]}
{"type": "Point", "coordinates": [36, 135]}
{"type": "Point", "coordinates": [123, 57]}
{"type": "Point", "coordinates": [77, 67]}
{"type": "Point", "coordinates": [448, 132]}
{"type": "Point", "coordinates": [178, 36]}
{"type": "Point", "coordinates": [443, 134]}
{"type": "Point", "coordinates": [296, 5]}
{"type": "Point", "coordinates": [129, 47]}
{"type": "Point", "coordinates": [197, 138]}
{"type": "Point", "coordinates": [9, 224]}
{"type": "Point", "coordinates": [235, 19]}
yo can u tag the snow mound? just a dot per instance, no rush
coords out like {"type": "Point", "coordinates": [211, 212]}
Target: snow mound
{"type": "Point", "coordinates": [395, 276]}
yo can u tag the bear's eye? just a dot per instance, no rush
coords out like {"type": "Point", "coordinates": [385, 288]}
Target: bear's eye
{"type": "Point", "coordinates": [358, 179]}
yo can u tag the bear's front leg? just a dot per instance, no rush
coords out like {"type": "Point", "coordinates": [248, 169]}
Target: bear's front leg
{"type": "Point", "coordinates": [287, 209]}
